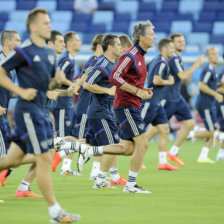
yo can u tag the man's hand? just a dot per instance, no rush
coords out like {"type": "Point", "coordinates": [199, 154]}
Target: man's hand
{"type": "Point", "coordinates": [28, 94]}
{"type": "Point", "coordinates": [73, 89]}
{"type": "Point", "coordinates": [144, 93]}
{"type": "Point", "coordinates": [199, 60]}
{"type": "Point", "coordinates": [171, 80]}
{"type": "Point", "coordinates": [219, 98]}
{"type": "Point", "coordinates": [2, 110]}
{"type": "Point", "coordinates": [52, 95]}
{"type": "Point", "coordinates": [112, 90]}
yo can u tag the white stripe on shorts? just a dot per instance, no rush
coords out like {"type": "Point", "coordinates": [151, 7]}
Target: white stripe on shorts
{"type": "Point", "coordinates": [32, 133]}
{"type": "Point", "coordinates": [209, 120]}
{"type": "Point", "coordinates": [131, 122]}
{"type": "Point", "coordinates": [144, 109]}
{"type": "Point", "coordinates": [62, 123]}
{"type": "Point", "coordinates": [222, 110]}
{"type": "Point", "coordinates": [108, 131]}
{"type": "Point", "coordinates": [82, 126]}
{"type": "Point", "coordinates": [2, 146]}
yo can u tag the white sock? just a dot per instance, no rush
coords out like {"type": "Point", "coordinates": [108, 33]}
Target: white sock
{"type": "Point", "coordinates": [95, 169]}
{"type": "Point", "coordinates": [114, 174]}
{"type": "Point", "coordinates": [174, 150]}
{"type": "Point", "coordinates": [24, 186]}
{"type": "Point", "coordinates": [95, 150]}
{"type": "Point", "coordinates": [54, 210]}
{"type": "Point", "coordinates": [204, 153]}
{"type": "Point", "coordinates": [65, 152]}
{"type": "Point", "coordinates": [101, 177]}
{"type": "Point", "coordinates": [132, 179]}
{"type": "Point", "coordinates": [220, 153]}
{"type": "Point", "coordinates": [162, 158]}
{"type": "Point", "coordinates": [66, 164]}
{"type": "Point", "coordinates": [70, 145]}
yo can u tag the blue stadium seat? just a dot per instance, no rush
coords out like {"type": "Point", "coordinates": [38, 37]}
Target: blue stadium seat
{"type": "Point", "coordinates": [184, 27]}
{"type": "Point", "coordinates": [146, 16]}
{"type": "Point", "coordinates": [16, 25]}
{"type": "Point", "coordinates": [106, 6]}
{"type": "Point", "coordinates": [28, 5]}
{"type": "Point", "coordinates": [124, 17]}
{"type": "Point", "coordinates": [4, 16]}
{"type": "Point", "coordinates": [190, 6]}
{"type": "Point", "coordinates": [218, 28]}
{"type": "Point", "coordinates": [7, 6]}
{"type": "Point", "coordinates": [163, 26]}
{"type": "Point", "coordinates": [199, 38]}
{"type": "Point", "coordinates": [147, 7]}
{"type": "Point", "coordinates": [97, 28]}
{"type": "Point", "coordinates": [120, 27]}
{"type": "Point", "coordinates": [2, 25]}
{"type": "Point", "coordinates": [128, 6]}
{"type": "Point", "coordinates": [165, 16]}
{"type": "Point", "coordinates": [185, 16]}
{"type": "Point", "coordinates": [170, 6]}
{"type": "Point", "coordinates": [65, 5]}
{"type": "Point", "coordinates": [220, 16]}
{"type": "Point", "coordinates": [63, 27]}
{"type": "Point", "coordinates": [158, 3]}
{"type": "Point", "coordinates": [88, 37]}
{"type": "Point", "coordinates": [211, 6]}
{"type": "Point", "coordinates": [50, 5]}
{"type": "Point", "coordinates": [81, 17]}
{"type": "Point", "coordinates": [79, 26]}
{"type": "Point", "coordinates": [202, 27]}
{"type": "Point", "coordinates": [105, 17]}
{"type": "Point", "coordinates": [217, 39]}
{"type": "Point", "coordinates": [159, 36]}
{"type": "Point", "coordinates": [19, 15]}
{"type": "Point", "coordinates": [59, 16]}
{"type": "Point", "coordinates": [207, 16]}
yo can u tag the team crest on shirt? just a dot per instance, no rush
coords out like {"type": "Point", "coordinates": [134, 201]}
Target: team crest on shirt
{"type": "Point", "coordinates": [51, 58]}
{"type": "Point", "coordinates": [68, 123]}
{"type": "Point", "coordinates": [116, 136]}
{"type": "Point", "coordinates": [141, 126]}
{"type": "Point", "coordinates": [50, 141]}
{"type": "Point", "coordinates": [44, 144]}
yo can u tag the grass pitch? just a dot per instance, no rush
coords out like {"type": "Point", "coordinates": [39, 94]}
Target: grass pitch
{"type": "Point", "coordinates": [192, 195]}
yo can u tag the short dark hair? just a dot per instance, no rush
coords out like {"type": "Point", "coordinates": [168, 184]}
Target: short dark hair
{"type": "Point", "coordinates": [54, 34]}
{"type": "Point", "coordinates": [174, 35]}
{"type": "Point", "coordinates": [68, 36]}
{"type": "Point", "coordinates": [97, 40]}
{"type": "Point", "coordinates": [164, 42]}
{"type": "Point", "coordinates": [33, 15]}
{"type": "Point", "coordinates": [125, 40]}
{"type": "Point", "coordinates": [108, 40]}
{"type": "Point", "coordinates": [7, 35]}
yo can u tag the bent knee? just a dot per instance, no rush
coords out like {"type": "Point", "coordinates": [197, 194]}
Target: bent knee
{"type": "Point", "coordinates": [189, 124]}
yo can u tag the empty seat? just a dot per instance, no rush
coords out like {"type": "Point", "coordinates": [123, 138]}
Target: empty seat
{"type": "Point", "coordinates": [63, 27]}
{"type": "Point", "coordinates": [211, 6]}
{"type": "Point", "coordinates": [165, 16]}
{"type": "Point", "coordinates": [81, 17]}
{"type": "Point", "coordinates": [170, 6]}
{"type": "Point", "coordinates": [19, 26]}
{"type": "Point", "coordinates": [4, 16]}
{"type": "Point", "coordinates": [7, 6]}
{"type": "Point", "coordinates": [147, 7]}
{"type": "Point", "coordinates": [185, 16]}
{"type": "Point", "coordinates": [50, 5]}
{"type": "Point", "coordinates": [207, 17]}
{"type": "Point", "coordinates": [106, 6]}
{"type": "Point", "coordinates": [127, 6]}
{"type": "Point", "coordinates": [218, 28]}
{"type": "Point", "coordinates": [202, 27]}
{"type": "Point", "coordinates": [190, 6]}
{"type": "Point", "coordinates": [105, 17]}
{"type": "Point", "coordinates": [162, 26]}
{"type": "Point", "coordinates": [20, 15]}
{"type": "Point", "coordinates": [79, 26]}
{"type": "Point", "coordinates": [159, 36]}
{"type": "Point", "coordinates": [122, 17]}
{"type": "Point", "coordinates": [97, 28]}
{"type": "Point", "coordinates": [65, 16]}
{"type": "Point", "coordinates": [120, 27]}
{"type": "Point", "coordinates": [184, 27]}
{"type": "Point", "coordinates": [65, 5]}
{"type": "Point", "coordinates": [198, 38]}
{"type": "Point", "coordinates": [28, 5]}
{"type": "Point", "coordinates": [217, 39]}
{"type": "Point", "coordinates": [146, 16]}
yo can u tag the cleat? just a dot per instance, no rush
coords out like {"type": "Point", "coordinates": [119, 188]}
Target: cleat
{"type": "Point", "coordinates": [142, 166]}
{"type": "Point", "coordinates": [135, 189]}
{"type": "Point", "coordinates": [58, 142]}
{"type": "Point", "coordinates": [3, 177]}
{"type": "Point", "coordinates": [92, 177]}
{"type": "Point", "coordinates": [83, 157]}
{"type": "Point", "coordinates": [55, 161]}
{"type": "Point", "coordinates": [27, 194]}
{"type": "Point", "coordinates": [121, 182]}
{"type": "Point", "coordinates": [64, 217]}
{"type": "Point", "coordinates": [215, 139]}
{"type": "Point", "coordinates": [219, 158]}
{"type": "Point", "coordinates": [69, 173]}
{"type": "Point", "coordinates": [175, 158]}
{"type": "Point", "coordinates": [167, 166]}
{"type": "Point", "coordinates": [207, 160]}
{"type": "Point", "coordinates": [103, 184]}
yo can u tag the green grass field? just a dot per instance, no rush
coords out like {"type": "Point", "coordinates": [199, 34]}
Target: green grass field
{"type": "Point", "coordinates": [192, 195]}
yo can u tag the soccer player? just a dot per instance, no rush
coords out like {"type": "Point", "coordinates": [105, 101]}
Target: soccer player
{"type": "Point", "coordinates": [35, 65]}
{"type": "Point", "coordinates": [152, 112]}
{"type": "Point", "coordinates": [62, 108]}
{"type": "Point", "coordinates": [175, 103]}
{"type": "Point", "coordinates": [206, 103]}
{"type": "Point", "coordinates": [220, 115]}
{"type": "Point", "coordinates": [129, 76]}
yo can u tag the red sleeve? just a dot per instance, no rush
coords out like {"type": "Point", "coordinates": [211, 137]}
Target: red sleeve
{"type": "Point", "coordinates": [118, 74]}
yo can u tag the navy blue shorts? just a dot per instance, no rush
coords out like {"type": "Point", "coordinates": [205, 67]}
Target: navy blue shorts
{"type": "Point", "coordinates": [30, 132]}
{"type": "Point", "coordinates": [79, 128]}
{"type": "Point", "coordinates": [5, 133]}
{"type": "Point", "coordinates": [180, 109]}
{"type": "Point", "coordinates": [220, 116]}
{"type": "Point", "coordinates": [49, 130]}
{"type": "Point", "coordinates": [209, 118]}
{"type": "Point", "coordinates": [104, 131]}
{"type": "Point", "coordinates": [90, 138]}
{"type": "Point", "coordinates": [63, 121]}
{"type": "Point", "coordinates": [153, 114]}
{"type": "Point", "coordinates": [130, 122]}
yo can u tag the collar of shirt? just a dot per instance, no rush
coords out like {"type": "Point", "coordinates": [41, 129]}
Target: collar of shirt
{"type": "Point", "coordinates": [140, 49]}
